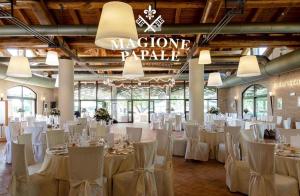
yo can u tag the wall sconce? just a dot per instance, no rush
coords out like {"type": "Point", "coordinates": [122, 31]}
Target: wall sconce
{"type": "Point", "coordinates": [271, 102]}
{"type": "Point", "coordinates": [1, 96]}
{"type": "Point", "coordinates": [236, 103]}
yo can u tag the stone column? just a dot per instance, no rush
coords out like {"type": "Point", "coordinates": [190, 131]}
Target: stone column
{"type": "Point", "coordinates": [66, 90]}
{"type": "Point", "coordinates": [196, 91]}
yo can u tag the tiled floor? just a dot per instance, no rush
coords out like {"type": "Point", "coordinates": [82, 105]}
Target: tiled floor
{"type": "Point", "coordinates": [191, 178]}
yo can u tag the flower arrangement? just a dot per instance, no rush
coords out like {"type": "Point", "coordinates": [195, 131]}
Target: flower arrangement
{"type": "Point", "coordinates": [83, 110]}
{"type": "Point", "coordinates": [213, 110]}
{"type": "Point", "coordinates": [55, 112]}
{"type": "Point", "coordinates": [246, 110]}
{"type": "Point", "coordinates": [20, 110]}
{"type": "Point", "coordinates": [102, 114]}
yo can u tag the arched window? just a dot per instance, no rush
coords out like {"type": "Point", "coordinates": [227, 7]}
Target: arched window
{"type": "Point", "coordinates": [255, 101]}
{"type": "Point", "coordinates": [21, 101]}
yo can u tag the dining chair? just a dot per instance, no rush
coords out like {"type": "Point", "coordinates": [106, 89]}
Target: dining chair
{"type": "Point", "coordinates": [134, 134]}
{"type": "Point", "coordinates": [38, 143]}
{"type": "Point", "coordinates": [99, 130]}
{"type": "Point", "coordinates": [237, 171]}
{"type": "Point", "coordinates": [278, 120]}
{"type": "Point", "coordinates": [87, 180]}
{"type": "Point", "coordinates": [75, 129]}
{"type": "Point", "coordinates": [55, 137]}
{"type": "Point", "coordinates": [287, 123]}
{"type": "Point", "coordinates": [26, 139]}
{"type": "Point", "coordinates": [41, 124]}
{"type": "Point", "coordinates": [140, 181]}
{"type": "Point", "coordinates": [24, 184]}
{"type": "Point", "coordinates": [178, 123]}
{"type": "Point", "coordinates": [263, 180]}
{"type": "Point", "coordinates": [163, 164]}
{"type": "Point", "coordinates": [195, 149]}
{"type": "Point", "coordinates": [9, 140]}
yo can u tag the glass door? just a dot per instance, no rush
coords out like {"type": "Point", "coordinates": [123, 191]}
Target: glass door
{"type": "Point", "coordinates": [151, 109]}
{"type": "Point", "coordinates": [140, 111]}
{"type": "Point", "coordinates": [130, 113]}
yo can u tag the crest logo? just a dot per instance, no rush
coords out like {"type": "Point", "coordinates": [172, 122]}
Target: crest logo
{"type": "Point", "coordinates": [154, 25]}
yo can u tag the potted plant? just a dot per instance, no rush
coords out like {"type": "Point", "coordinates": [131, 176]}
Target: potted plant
{"type": "Point", "coordinates": [214, 110]}
{"type": "Point", "coordinates": [102, 114]}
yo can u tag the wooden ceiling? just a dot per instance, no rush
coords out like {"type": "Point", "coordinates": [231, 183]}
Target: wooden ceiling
{"type": "Point", "coordinates": [78, 12]}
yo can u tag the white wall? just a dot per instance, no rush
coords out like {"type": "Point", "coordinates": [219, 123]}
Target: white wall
{"type": "Point", "coordinates": [40, 91]}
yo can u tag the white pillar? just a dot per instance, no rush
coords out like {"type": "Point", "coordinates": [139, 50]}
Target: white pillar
{"type": "Point", "coordinates": [114, 112]}
{"type": "Point", "coordinates": [66, 90]}
{"type": "Point", "coordinates": [196, 91]}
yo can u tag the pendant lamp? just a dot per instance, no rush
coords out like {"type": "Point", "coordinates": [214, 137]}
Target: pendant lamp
{"type": "Point", "coordinates": [204, 57]}
{"type": "Point", "coordinates": [19, 67]}
{"type": "Point", "coordinates": [248, 67]}
{"type": "Point", "coordinates": [214, 79]}
{"type": "Point", "coordinates": [52, 58]}
{"type": "Point", "coordinates": [133, 67]}
{"type": "Point", "coordinates": [117, 29]}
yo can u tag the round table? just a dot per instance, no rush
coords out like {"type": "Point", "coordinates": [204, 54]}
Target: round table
{"type": "Point", "coordinates": [288, 166]}
{"type": "Point", "coordinates": [213, 139]}
{"type": "Point", "coordinates": [56, 166]}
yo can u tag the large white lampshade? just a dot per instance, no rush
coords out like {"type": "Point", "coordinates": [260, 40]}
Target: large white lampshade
{"type": "Point", "coordinates": [117, 25]}
{"type": "Point", "coordinates": [248, 67]}
{"type": "Point", "coordinates": [133, 67]}
{"type": "Point", "coordinates": [19, 67]}
{"type": "Point", "coordinates": [204, 57]}
{"type": "Point", "coordinates": [52, 58]}
{"type": "Point", "coordinates": [214, 79]}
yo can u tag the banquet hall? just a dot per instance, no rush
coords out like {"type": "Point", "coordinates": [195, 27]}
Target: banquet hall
{"type": "Point", "coordinates": [149, 98]}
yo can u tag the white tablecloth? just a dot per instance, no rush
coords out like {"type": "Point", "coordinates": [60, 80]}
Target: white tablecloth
{"type": "Point", "coordinates": [213, 139]}
{"type": "Point", "coordinates": [56, 166]}
{"type": "Point", "coordinates": [289, 166]}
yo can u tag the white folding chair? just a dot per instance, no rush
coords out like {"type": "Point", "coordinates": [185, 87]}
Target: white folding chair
{"type": "Point", "coordinates": [134, 134]}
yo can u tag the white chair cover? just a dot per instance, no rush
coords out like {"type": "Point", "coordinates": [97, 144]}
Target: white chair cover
{"type": "Point", "coordinates": [22, 183]}
{"type": "Point", "coordinates": [55, 137]}
{"type": "Point", "coordinates": [37, 142]}
{"type": "Point", "coordinates": [195, 149]}
{"type": "Point", "coordinates": [134, 134]}
{"type": "Point", "coordinates": [237, 172]}
{"type": "Point", "coordinates": [26, 139]}
{"type": "Point", "coordinates": [263, 180]}
{"type": "Point", "coordinates": [75, 129]}
{"type": "Point", "coordinates": [286, 134]}
{"type": "Point", "coordinates": [297, 124]}
{"type": "Point", "coordinates": [141, 181]}
{"type": "Point", "coordinates": [164, 167]}
{"type": "Point", "coordinates": [110, 139]}
{"type": "Point", "coordinates": [30, 120]}
{"type": "Point", "coordinates": [9, 140]}
{"type": "Point", "coordinates": [41, 124]}
{"type": "Point", "coordinates": [278, 120]}
{"type": "Point", "coordinates": [287, 123]}
{"type": "Point", "coordinates": [99, 130]}
{"type": "Point", "coordinates": [178, 125]}
{"type": "Point", "coordinates": [87, 180]}
{"type": "Point", "coordinates": [83, 122]}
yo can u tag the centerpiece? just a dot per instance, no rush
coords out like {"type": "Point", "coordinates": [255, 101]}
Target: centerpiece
{"type": "Point", "coordinates": [54, 117]}
{"type": "Point", "coordinates": [214, 110]}
{"type": "Point", "coordinates": [102, 114]}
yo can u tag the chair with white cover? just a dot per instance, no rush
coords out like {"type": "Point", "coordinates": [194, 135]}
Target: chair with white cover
{"type": "Point", "coordinates": [278, 120]}
{"type": "Point", "coordinates": [222, 147]}
{"type": "Point", "coordinates": [134, 134]}
{"type": "Point", "coordinates": [82, 121]}
{"type": "Point", "coordinates": [12, 131]}
{"type": "Point", "coordinates": [237, 171]}
{"type": "Point", "coordinates": [41, 124]}
{"type": "Point", "coordinates": [297, 124]}
{"type": "Point", "coordinates": [263, 180]}
{"type": "Point", "coordinates": [26, 139]}
{"type": "Point", "coordinates": [24, 184]}
{"type": "Point", "coordinates": [287, 123]}
{"type": "Point", "coordinates": [195, 149]}
{"type": "Point", "coordinates": [37, 142]}
{"type": "Point", "coordinates": [30, 120]}
{"type": "Point", "coordinates": [178, 125]}
{"type": "Point", "coordinates": [163, 164]}
{"type": "Point", "coordinates": [286, 134]}
{"type": "Point", "coordinates": [75, 130]}
{"type": "Point", "coordinates": [88, 180]}
{"type": "Point", "coordinates": [55, 137]}
{"type": "Point", "coordinates": [140, 181]}
{"type": "Point", "coordinates": [99, 130]}
{"type": "Point", "coordinates": [110, 139]}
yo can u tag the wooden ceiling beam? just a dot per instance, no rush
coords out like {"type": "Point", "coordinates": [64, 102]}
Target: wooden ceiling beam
{"type": "Point", "coordinates": [171, 5]}
{"type": "Point", "coordinates": [75, 17]}
{"type": "Point", "coordinates": [22, 16]}
{"type": "Point", "coordinates": [177, 15]}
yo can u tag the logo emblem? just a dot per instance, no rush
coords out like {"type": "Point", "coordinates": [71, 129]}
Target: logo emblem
{"type": "Point", "coordinates": [154, 25]}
